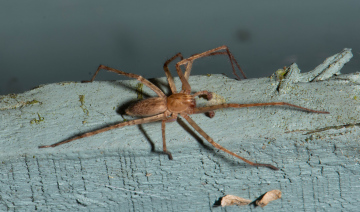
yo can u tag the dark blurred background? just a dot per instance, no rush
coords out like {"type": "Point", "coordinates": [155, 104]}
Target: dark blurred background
{"type": "Point", "coordinates": [52, 41]}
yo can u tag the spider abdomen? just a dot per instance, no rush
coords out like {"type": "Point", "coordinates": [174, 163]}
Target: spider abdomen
{"type": "Point", "coordinates": [147, 107]}
{"type": "Point", "coordinates": [180, 102]}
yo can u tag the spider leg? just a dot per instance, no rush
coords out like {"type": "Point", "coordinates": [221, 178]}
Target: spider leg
{"type": "Point", "coordinates": [212, 142]}
{"type": "Point", "coordinates": [173, 117]}
{"type": "Point", "coordinates": [232, 61]}
{"type": "Point", "coordinates": [209, 96]}
{"type": "Point", "coordinates": [119, 125]}
{"type": "Point", "coordinates": [168, 74]}
{"type": "Point", "coordinates": [186, 88]}
{"type": "Point", "coordinates": [215, 107]}
{"type": "Point", "coordinates": [212, 52]}
{"type": "Point", "coordinates": [138, 77]}
{"type": "Point", "coordinates": [207, 93]}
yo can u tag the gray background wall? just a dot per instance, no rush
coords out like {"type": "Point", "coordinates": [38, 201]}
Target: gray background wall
{"type": "Point", "coordinates": [51, 41]}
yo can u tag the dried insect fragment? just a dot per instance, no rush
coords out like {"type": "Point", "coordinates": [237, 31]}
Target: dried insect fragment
{"type": "Point", "coordinates": [268, 197]}
{"type": "Point", "coordinates": [234, 200]}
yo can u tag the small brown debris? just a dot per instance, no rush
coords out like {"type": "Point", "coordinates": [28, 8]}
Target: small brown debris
{"type": "Point", "coordinates": [268, 197]}
{"type": "Point", "coordinates": [263, 147]}
{"type": "Point", "coordinates": [234, 200]}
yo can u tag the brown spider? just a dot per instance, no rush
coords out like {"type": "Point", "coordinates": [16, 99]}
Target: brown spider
{"type": "Point", "coordinates": [166, 108]}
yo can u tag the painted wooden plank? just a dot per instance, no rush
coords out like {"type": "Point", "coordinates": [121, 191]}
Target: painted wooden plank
{"type": "Point", "coordinates": [318, 154]}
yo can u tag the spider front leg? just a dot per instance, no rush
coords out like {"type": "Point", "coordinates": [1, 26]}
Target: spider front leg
{"type": "Point", "coordinates": [216, 51]}
{"type": "Point", "coordinates": [168, 74]}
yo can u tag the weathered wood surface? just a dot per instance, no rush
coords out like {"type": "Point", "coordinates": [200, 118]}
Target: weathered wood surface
{"type": "Point", "coordinates": [318, 154]}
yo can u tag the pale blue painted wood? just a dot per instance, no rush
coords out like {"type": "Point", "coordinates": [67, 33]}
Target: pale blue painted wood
{"type": "Point", "coordinates": [117, 171]}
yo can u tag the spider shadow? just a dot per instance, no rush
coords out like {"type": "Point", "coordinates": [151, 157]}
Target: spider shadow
{"type": "Point", "coordinates": [152, 144]}
{"type": "Point", "coordinates": [209, 149]}
{"type": "Point", "coordinates": [121, 109]}
{"type": "Point", "coordinates": [186, 128]}
{"type": "Point", "coordinates": [129, 87]}
{"type": "Point", "coordinates": [160, 84]}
